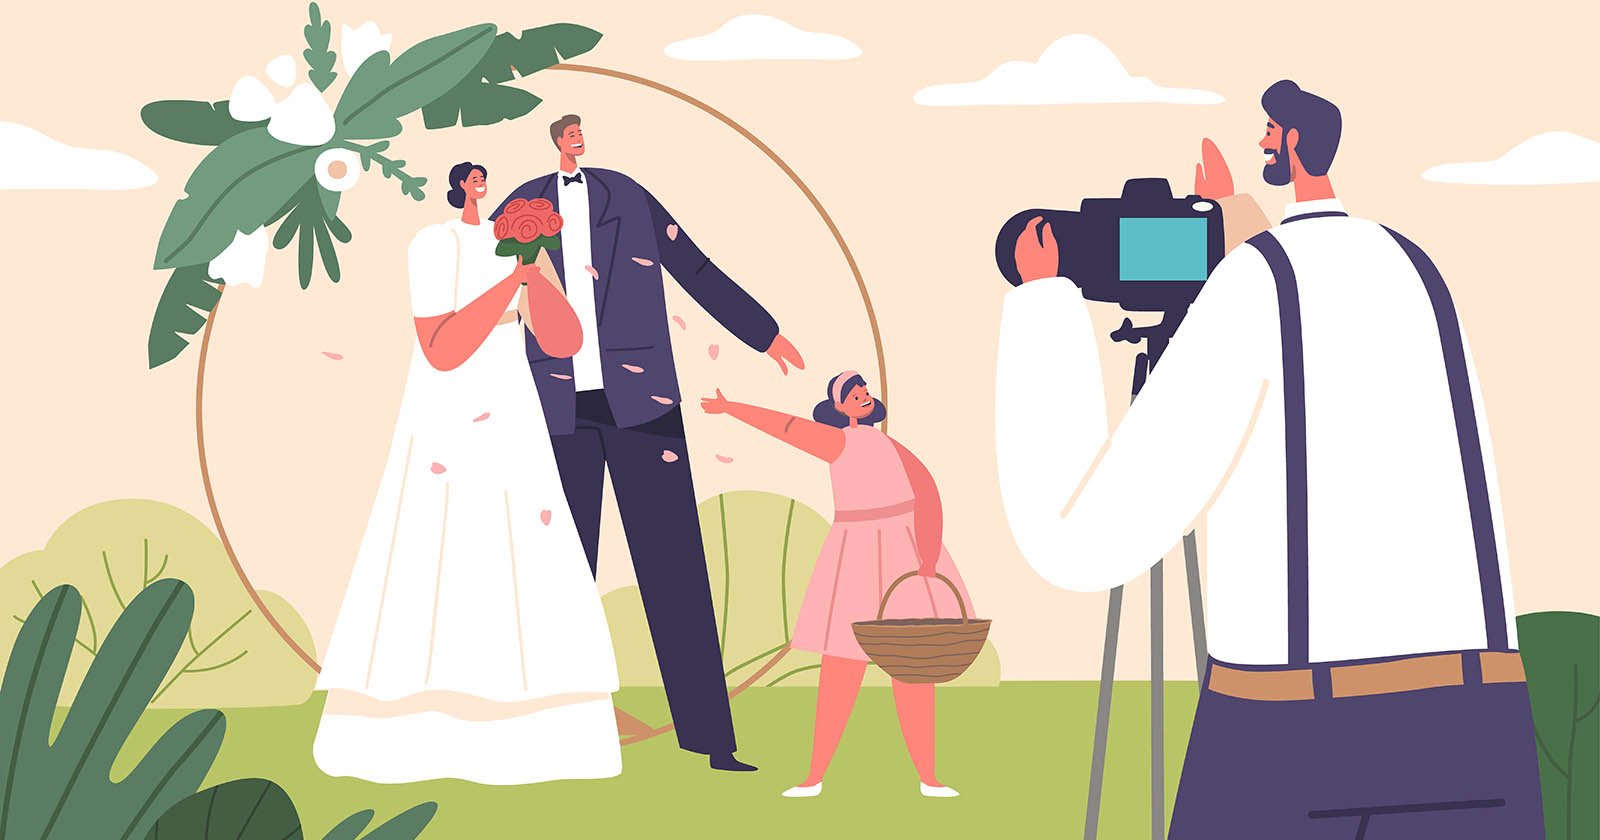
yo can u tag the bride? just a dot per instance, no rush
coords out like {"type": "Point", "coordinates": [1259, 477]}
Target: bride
{"type": "Point", "coordinates": [471, 643]}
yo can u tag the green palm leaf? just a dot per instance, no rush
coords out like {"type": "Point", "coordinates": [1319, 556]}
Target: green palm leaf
{"type": "Point", "coordinates": [185, 302]}
{"type": "Point", "coordinates": [482, 99]}
{"type": "Point", "coordinates": [190, 121]}
{"type": "Point", "coordinates": [380, 92]}
{"type": "Point", "coordinates": [243, 809]}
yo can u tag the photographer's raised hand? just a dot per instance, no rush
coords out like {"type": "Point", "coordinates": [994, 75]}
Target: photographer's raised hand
{"type": "Point", "coordinates": [1037, 255]}
{"type": "Point", "coordinates": [1211, 176]}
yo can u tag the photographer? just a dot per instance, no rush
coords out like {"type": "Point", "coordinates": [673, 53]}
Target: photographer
{"type": "Point", "coordinates": [1317, 406]}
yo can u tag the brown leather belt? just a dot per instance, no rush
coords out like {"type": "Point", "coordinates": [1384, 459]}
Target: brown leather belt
{"type": "Point", "coordinates": [1411, 673]}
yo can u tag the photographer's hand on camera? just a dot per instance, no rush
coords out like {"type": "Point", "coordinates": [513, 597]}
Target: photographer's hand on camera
{"type": "Point", "coordinates": [1038, 255]}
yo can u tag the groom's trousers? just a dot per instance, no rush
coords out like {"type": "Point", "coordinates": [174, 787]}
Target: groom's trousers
{"type": "Point", "coordinates": [649, 467]}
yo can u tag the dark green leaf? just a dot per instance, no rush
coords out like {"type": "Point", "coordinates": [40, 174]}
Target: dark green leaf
{"type": "Point", "coordinates": [306, 247]}
{"type": "Point", "coordinates": [243, 809]}
{"type": "Point", "coordinates": [309, 215]}
{"type": "Point", "coordinates": [189, 121]}
{"type": "Point", "coordinates": [286, 231]}
{"type": "Point", "coordinates": [350, 827]}
{"type": "Point", "coordinates": [481, 99]}
{"type": "Point", "coordinates": [407, 825]}
{"type": "Point", "coordinates": [189, 295]}
{"type": "Point", "coordinates": [318, 57]}
{"type": "Point", "coordinates": [330, 260]}
{"type": "Point", "coordinates": [236, 187]}
{"type": "Point", "coordinates": [381, 93]}
{"type": "Point", "coordinates": [1561, 655]}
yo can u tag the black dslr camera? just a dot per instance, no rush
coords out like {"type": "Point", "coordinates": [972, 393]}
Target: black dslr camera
{"type": "Point", "coordinates": [1146, 251]}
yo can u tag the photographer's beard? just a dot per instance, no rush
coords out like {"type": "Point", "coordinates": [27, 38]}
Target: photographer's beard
{"type": "Point", "coordinates": [1279, 173]}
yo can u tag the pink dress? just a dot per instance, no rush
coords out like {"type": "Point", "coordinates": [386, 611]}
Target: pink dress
{"type": "Point", "coordinates": [871, 543]}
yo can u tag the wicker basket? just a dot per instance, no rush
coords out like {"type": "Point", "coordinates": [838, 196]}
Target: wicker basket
{"type": "Point", "coordinates": [922, 650]}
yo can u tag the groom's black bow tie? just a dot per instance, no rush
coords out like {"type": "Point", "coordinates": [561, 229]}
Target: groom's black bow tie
{"type": "Point", "coordinates": [575, 179]}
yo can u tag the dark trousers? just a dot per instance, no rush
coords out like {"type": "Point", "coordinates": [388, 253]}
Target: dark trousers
{"type": "Point", "coordinates": [656, 498]}
{"type": "Point", "coordinates": [1453, 762]}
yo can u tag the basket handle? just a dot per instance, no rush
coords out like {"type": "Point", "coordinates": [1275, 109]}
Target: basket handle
{"type": "Point", "coordinates": [884, 604]}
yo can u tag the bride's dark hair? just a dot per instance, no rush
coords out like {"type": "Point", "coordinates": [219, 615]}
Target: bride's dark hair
{"type": "Point", "coordinates": [458, 173]}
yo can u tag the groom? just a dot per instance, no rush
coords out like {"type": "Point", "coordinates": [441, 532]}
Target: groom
{"type": "Point", "coordinates": [615, 405]}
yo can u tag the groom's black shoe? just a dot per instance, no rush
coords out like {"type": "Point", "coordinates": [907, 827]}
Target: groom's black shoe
{"type": "Point", "coordinates": [726, 761]}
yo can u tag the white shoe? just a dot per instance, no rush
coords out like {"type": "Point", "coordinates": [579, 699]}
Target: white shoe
{"type": "Point", "coordinates": [804, 791]}
{"type": "Point", "coordinates": [939, 791]}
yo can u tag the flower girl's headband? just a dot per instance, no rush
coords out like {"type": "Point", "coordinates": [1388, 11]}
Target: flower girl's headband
{"type": "Point", "coordinates": [839, 382]}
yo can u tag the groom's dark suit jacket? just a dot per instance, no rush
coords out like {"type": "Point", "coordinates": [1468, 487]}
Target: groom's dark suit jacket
{"type": "Point", "coordinates": [630, 243]}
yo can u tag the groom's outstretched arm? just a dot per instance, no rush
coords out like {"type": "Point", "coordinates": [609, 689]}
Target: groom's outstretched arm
{"type": "Point", "coordinates": [715, 291]}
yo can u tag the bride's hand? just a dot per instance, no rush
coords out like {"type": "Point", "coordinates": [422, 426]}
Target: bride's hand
{"type": "Point", "coordinates": [714, 405]}
{"type": "Point", "coordinates": [528, 273]}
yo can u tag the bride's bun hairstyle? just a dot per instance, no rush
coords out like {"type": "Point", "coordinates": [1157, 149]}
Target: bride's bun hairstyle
{"type": "Point", "coordinates": [458, 173]}
{"type": "Point", "coordinates": [838, 388]}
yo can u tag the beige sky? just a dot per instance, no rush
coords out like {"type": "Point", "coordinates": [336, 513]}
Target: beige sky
{"type": "Point", "coordinates": [298, 439]}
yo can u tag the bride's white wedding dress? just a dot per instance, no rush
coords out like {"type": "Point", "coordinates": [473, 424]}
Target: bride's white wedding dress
{"type": "Point", "coordinates": [471, 642]}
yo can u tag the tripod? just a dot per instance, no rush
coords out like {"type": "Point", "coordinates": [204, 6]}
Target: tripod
{"type": "Point", "coordinates": [1155, 339]}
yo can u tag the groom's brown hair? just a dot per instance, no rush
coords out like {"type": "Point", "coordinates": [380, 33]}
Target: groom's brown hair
{"type": "Point", "coordinates": [560, 126]}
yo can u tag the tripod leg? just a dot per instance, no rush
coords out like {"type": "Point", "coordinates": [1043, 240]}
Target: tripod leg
{"type": "Point", "coordinates": [1197, 613]}
{"type": "Point", "coordinates": [1102, 715]}
{"type": "Point", "coordinates": [1158, 682]}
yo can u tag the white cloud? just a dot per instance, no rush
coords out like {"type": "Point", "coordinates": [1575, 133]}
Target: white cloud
{"type": "Point", "coordinates": [33, 161]}
{"type": "Point", "coordinates": [1554, 157]}
{"type": "Point", "coordinates": [1075, 70]}
{"type": "Point", "coordinates": [763, 38]}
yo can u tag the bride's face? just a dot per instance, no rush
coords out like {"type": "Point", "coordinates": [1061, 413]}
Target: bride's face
{"type": "Point", "coordinates": [476, 186]}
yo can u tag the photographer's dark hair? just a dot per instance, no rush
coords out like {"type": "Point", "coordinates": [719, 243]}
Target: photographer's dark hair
{"type": "Point", "coordinates": [1317, 120]}
{"type": "Point", "coordinates": [827, 414]}
{"type": "Point", "coordinates": [458, 173]}
{"type": "Point", "coordinates": [559, 127]}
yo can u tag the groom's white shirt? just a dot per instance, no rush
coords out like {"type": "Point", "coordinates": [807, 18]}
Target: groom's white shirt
{"type": "Point", "coordinates": [573, 204]}
{"type": "Point", "coordinates": [1392, 569]}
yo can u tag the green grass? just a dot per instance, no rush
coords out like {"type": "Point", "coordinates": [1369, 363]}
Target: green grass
{"type": "Point", "coordinates": [1018, 753]}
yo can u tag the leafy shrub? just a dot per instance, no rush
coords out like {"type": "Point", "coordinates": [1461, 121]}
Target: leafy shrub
{"type": "Point", "coordinates": [112, 551]}
{"type": "Point", "coordinates": [1561, 654]}
{"type": "Point", "coordinates": [257, 809]}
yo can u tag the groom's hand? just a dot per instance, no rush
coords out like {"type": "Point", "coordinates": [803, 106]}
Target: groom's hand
{"type": "Point", "coordinates": [784, 354]}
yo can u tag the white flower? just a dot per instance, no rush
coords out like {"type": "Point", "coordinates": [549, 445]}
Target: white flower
{"type": "Point", "coordinates": [243, 262]}
{"type": "Point", "coordinates": [302, 118]}
{"type": "Point", "coordinates": [281, 70]}
{"type": "Point", "coordinates": [338, 169]}
{"type": "Point", "coordinates": [359, 44]}
{"type": "Point", "coordinates": [250, 100]}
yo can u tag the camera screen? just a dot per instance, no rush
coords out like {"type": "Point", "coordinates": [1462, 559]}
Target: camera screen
{"type": "Point", "coordinates": [1163, 249]}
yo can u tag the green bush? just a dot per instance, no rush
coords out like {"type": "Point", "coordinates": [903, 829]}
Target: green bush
{"type": "Point", "coordinates": [257, 809]}
{"type": "Point", "coordinates": [1561, 654]}
{"type": "Point", "coordinates": [110, 552]}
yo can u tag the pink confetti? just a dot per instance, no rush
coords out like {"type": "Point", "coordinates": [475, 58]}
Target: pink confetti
{"type": "Point", "coordinates": [633, 368]}
{"type": "Point", "coordinates": [437, 468]}
{"type": "Point", "coordinates": [642, 261]}
{"type": "Point", "coordinates": [672, 232]}
{"type": "Point", "coordinates": [713, 351]}
{"type": "Point", "coordinates": [663, 400]}
{"type": "Point", "coordinates": [682, 325]}
{"type": "Point", "coordinates": [559, 376]}
{"type": "Point", "coordinates": [334, 356]}
{"type": "Point", "coordinates": [724, 459]}
{"type": "Point", "coordinates": [668, 455]}
{"type": "Point", "coordinates": [544, 516]}
{"type": "Point", "coordinates": [480, 418]}
{"type": "Point", "coordinates": [592, 272]}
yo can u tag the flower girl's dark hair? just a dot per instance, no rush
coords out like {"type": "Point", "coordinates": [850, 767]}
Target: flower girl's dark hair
{"type": "Point", "coordinates": [458, 173]}
{"type": "Point", "coordinates": [824, 412]}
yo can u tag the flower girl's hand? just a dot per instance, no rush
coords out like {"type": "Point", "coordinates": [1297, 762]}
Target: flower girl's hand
{"type": "Point", "coordinates": [714, 405]}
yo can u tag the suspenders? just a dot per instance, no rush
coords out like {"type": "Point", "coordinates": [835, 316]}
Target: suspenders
{"type": "Point", "coordinates": [1294, 432]}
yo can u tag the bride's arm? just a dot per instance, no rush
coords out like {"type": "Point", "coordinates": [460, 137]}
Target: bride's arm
{"type": "Point", "coordinates": [823, 441]}
{"type": "Point", "coordinates": [448, 340]}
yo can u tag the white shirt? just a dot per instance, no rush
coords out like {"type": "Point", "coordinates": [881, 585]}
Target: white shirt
{"type": "Point", "coordinates": [1393, 568]}
{"type": "Point", "coordinates": [572, 202]}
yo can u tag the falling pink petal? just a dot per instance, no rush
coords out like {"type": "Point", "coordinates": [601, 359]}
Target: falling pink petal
{"type": "Point", "coordinates": [437, 468]}
{"type": "Point", "coordinates": [682, 325]}
{"type": "Point", "coordinates": [663, 400]}
{"type": "Point", "coordinates": [668, 455]}
{"type": "Point", "coordinates": [334, 356]}
{"type": "Point", "coordinates": [643, 261]}
{"type": "Point", "coordinates": [672, 232]}
{"type": "Point", "coordinates": [544, 516]}
{"type": "Point", "coordinates": [559, 376]}
{"type": "Point", "coordinates": [592, 272]}
{"type": "Point", "coordinates": [633, 368]}
{"type": "Point", "coordinates": [480, 418]}
{"type": "Point", "coordinates": [713, 351]}
{"type": "Point", "coordinates": [725, 459]}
